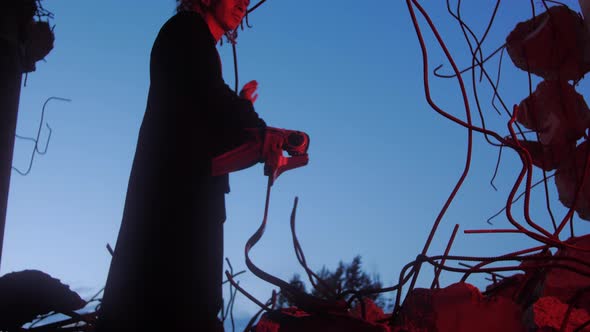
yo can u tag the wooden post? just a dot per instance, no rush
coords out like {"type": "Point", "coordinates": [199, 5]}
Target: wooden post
{"type": "Point", "coordinates": [10, 84]}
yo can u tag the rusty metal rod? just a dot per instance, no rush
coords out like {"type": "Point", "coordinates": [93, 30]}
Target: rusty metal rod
{"type": "Point", "coordinates": [442, 262]}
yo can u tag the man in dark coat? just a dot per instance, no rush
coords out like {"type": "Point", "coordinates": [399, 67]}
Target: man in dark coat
{"type": "Point", "coordinates": [166, 271]}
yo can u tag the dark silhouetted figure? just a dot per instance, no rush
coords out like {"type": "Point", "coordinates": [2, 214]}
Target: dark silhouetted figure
{"type": "Point", "coordinates": [166, 271]}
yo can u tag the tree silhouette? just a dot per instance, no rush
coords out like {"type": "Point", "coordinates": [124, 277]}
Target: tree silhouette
{"type": "Point", "coordinates": [345, 280]}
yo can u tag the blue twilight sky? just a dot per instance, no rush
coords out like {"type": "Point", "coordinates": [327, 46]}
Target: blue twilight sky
{"type": "Point", "coordinates": [349, 73]}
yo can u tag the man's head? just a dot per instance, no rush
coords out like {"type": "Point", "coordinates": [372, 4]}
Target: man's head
{"type": "Point", "coordinates": [226, 13]}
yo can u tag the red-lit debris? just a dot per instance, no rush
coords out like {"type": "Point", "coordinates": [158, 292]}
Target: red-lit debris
{"type": "Point", "coordinates": [417, 313]}
{"type": "Point", "coordinates": [506, 287]}
{"type": "Point", "coordinates": [292, 320]}
{"type": "Point", "coordinates": [568, 179]}
{"type": "Point", "coordinates": [550, 45]}
{"type": "Point", "coordinates": [548, 157]}
{"type": "Point", "coordinates": [556, 111]}
{"type": "Point", "coordinates": [27, 294]}
{"type": "Point", "coordinates": [548, 313]}
{"type": "Point", "coordinates": [459, 307]}
{"type": "Point", "coordinates": [564, 284]}
{"type": "Point", "coordinates": [373, 313]}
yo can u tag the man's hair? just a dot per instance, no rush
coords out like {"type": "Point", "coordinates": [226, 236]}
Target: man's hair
{"type": "Point", "coordinates": [183, 5]}
{"type": "Point", "coordinates": [186, 5]}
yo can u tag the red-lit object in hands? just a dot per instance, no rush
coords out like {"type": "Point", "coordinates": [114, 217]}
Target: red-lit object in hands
{"type": "Point", "coordinates": [267, 145]}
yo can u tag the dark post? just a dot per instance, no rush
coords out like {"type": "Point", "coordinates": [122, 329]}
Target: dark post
{"type": "Point", "coordinates": [10, 84]}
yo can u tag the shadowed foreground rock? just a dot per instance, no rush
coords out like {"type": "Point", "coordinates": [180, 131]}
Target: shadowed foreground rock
{"type": "Point", "coordinates": [27, 294]}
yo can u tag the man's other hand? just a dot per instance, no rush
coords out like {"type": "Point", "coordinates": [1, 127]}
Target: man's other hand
{"type": "Point", "coordinates": [249, 91]}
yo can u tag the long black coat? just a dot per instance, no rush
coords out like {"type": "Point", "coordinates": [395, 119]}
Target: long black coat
{"type": "Point", "coordinates": [166, 271]}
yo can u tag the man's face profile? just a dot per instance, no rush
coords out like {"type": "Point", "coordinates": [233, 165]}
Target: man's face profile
{"type": "Point", "coordinates": [229, 13]}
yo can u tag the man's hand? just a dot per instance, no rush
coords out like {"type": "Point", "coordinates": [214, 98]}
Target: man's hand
{"type": "Point", "coordinates": [249, 91]}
